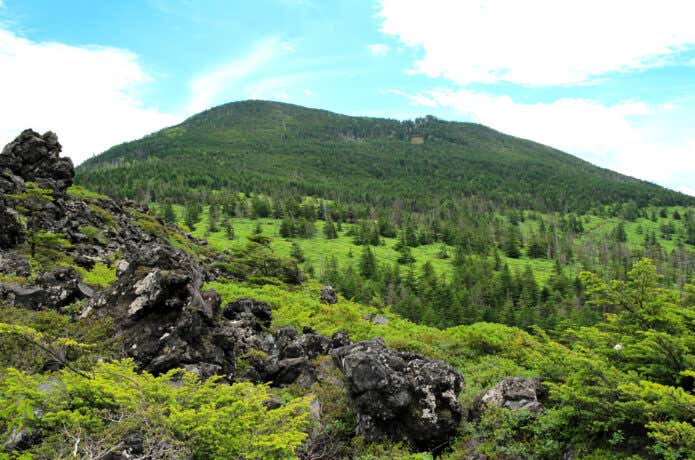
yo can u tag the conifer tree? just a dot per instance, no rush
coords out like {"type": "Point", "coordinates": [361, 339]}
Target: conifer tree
{"type": "Point", "coordinates": [367, 263]}
{"type": "Point", "coordinates": [329, 230]}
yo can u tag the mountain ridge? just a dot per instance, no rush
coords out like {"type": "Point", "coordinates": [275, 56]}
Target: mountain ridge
{"type": "Point", "coordinates": [288, 147]}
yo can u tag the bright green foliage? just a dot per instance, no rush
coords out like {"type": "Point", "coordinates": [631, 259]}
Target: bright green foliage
{"type": "Point", "coordinates": [80, 193]}
{"type": "Point", "coordinates": [100, 275]}
{"type": "Point", "coordinates": [177, 414]}
{"type": "Point", "coordinates": [652, 333]}
{"type": "Point", "coordinates": [47, 242]}
{"type": "Point", "coordinates": [29, 339]}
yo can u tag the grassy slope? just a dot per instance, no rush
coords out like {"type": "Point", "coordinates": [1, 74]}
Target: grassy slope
{"type": "Point", "coordinates": [316, 249]}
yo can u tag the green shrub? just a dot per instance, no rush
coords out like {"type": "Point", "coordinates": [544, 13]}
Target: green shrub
{"type": "Point", "coordinates": [100, 275]}
{"type": "Point", "coordinates": [176, 414]}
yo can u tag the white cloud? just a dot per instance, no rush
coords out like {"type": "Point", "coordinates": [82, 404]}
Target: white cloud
{"type": "Point", "coordinates": [206, 89]}
{"type": "Point", "coordinates": [88, 95]}
{"type": "Point", "coordinates": [606, 135]}
{"type": "Point", "coordinates": [539, 42]}
{"type": "Point", "coordinates": [378, 49]}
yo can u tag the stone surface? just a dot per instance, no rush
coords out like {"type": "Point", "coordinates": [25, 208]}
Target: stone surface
{"type": "Point", "coordinates": [514, 393]}
{"type": "Point", "coordinates": [36, 158]}
{"type": "Point", "coordinates": [55, 289]}
{"type": "Point", "coordinates": [328, 295]}
{"type": "Point", "coordinates": [401, 396]}
{"type": "Point", "coordinates": [249, 308]}
{"type": "Point", "coordinates": [14, 264]}
{"type": "Point", "coordinates": [161, 314]}
{"type": "Point", "coordinates": [12, 232]}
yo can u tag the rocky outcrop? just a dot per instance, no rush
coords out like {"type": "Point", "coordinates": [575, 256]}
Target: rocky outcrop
{"type": "Point", "coordinates": [328, 295]}
{"type": "Point", "coordinates": [12, 232]}
{"type": "Point", "coordinates": [165, 322]}
{"type": "Point", "coordinates": [514, 393]}
{"type": "Point", "coordinates": [250, 309]}
{"type": "Point", "coordinates": [36, 158]}
{"type": "Point", "coordinates": [164, 319]}
{"type": "Point", "coordinates": [14, 264]}
{"type": "Point", "coordinates": [401, 396]}
{"type": "Point", "coordinates": [53, 290]}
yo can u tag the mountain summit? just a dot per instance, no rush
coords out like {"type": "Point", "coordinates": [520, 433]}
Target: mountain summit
{"type": "Point", "coordinates": [276, 148]}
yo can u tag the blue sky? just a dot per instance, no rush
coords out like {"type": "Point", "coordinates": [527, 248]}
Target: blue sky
{"type": "Point", "coordinates": [611, 82]}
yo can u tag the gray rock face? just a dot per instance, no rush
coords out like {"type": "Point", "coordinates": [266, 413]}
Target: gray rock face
{"type": "Point", "coordinates": [514, 393]}
{"type": "Point", "coordinates": [12, 232]}
{"type": "Point", "coordinates": [376, 319]}
{"type": "Point", "coordinates": [162, 316]}
{"type": "Point", "coordinates": [249, 308]}
{"type": "Point", "coordinates": [36, 158]}
{"type": "Point", "coordinates": [328, 295]}
{"type": "Point", "coordinates": [14, 264]}
{"type": "Point", "coordinates": [401, 396]}
{"type": "Point", "coordinates": [58, 288]}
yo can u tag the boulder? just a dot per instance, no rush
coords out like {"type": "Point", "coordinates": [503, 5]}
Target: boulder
{"type": "Point", "coordinates": [248, 308]}
{"type": "Point", "coordinates": [14, 264]}
{"type": "Point", "coordinates": [401, 396]}
{"type": "Point", "coordinates": [376, 319]}
{"type": "Point", "coordinates": [162, 317]}
{"type": "Point", "coordinates": [12, 232]}
{"type": "Point", "coordinates": [36, 158]}
{"type": "Point", "coordinates": [514, 393]}
{"type": "Point", "coordinates": [328, 295]}
{"type": "Point", "coordinates": [55, 289]}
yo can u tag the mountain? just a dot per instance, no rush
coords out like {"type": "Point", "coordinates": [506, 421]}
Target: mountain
{"type": "Point", "coordinates": [124, 337]}
{"type": "Point", "coordinates": [279, 149]}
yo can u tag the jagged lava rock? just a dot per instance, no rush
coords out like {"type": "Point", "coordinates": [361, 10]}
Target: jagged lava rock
{"type": "Point", "coordinates": [514, 393]}
{"type": "Point", "coordinates": [164, 319]}
{"type": "Point", "coordinates": [57, 288]}
{"type": "Point", "coordinates": [36, 158]}
{"type": "Point", "coordinates": [401, 396]}
{"type": "Point", "coordinates": [328, 295]}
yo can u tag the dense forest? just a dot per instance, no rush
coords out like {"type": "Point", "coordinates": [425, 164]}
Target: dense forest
{"type": "Point", "coordinates": [282, 149]}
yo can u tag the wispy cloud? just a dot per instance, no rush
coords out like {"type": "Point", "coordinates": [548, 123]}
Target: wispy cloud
{"type": "Point", "coordinates": [378, 49]}
{"type": "Point", "coordinates": [208, 87]}
{"type": "Point", "coordinates": [540, 42]}
{"type": "Point", "coordinates": [90, 96]}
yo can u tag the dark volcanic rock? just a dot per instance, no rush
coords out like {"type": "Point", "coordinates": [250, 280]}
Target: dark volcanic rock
{"type": "Point", "coordinates": [249, 308]}
{"type": "Point", "coordinates": [14, 264]}
{"type": "Point", "coordinates": [36, 158]}
{"type": "Point", "coordinates": [400, 395]}
{"type": "Point", "coordinates": [328, 295]}
{"type": "Point", "coordinates": [514, 393]}
{"type": "Point", "coordinates": [58, 288]}
{"type": "Point", "coordinates": [163, 318]}
{"type": "Point", "coordinates": [12, 232]}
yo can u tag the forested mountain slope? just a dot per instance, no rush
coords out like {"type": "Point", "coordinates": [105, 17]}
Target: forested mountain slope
{"type": "Point", "coordinates": [124, 337]}
{"type": "Point", "coordinates": [283, 149]}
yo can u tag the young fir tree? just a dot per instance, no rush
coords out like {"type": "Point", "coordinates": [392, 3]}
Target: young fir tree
{"type": "Point", "coordinates": [168, 213]}
{"type": "Point", "coordinates": [228, 229]}
{"type": "Point", "coordinates": [297, 252]}
{"type": "Point", "coordinates": [191, 215]}
{"type": "Point", "coordinates": [286, 228]}
{"type": "Point", "coordinates": [367, 263]}
{"type": "Point", "coordinates": [329, 230]}
{"type": "Point", "coordinates": [31, 203]}
{"type": "Point", "coordinates": [619, 233]}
